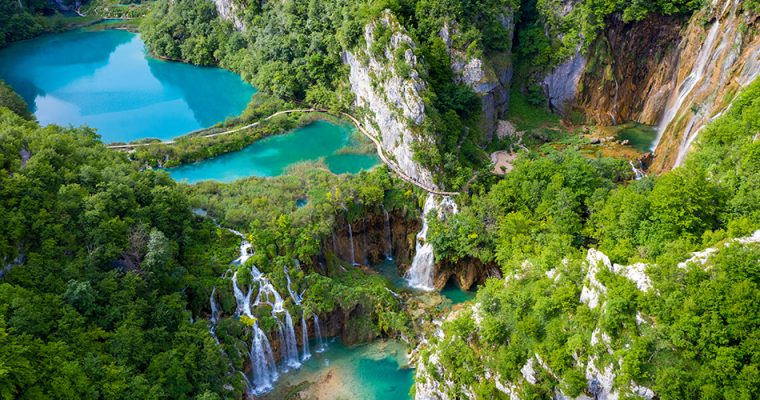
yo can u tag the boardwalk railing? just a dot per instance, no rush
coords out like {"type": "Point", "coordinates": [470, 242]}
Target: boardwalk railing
{"type": "Point", "coordinates": [378, 146]}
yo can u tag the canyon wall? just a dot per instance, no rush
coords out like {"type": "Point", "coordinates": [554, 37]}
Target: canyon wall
{"type": "Point", "coordinates": [671, 72]}
{"type": "Point", "coordinates": [389, 93]}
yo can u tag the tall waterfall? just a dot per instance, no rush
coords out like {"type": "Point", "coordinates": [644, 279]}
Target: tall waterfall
{"type": "Point", "coordinates": [305, 339]}
{"type": "Point", "coordinates": [420, 275]}
{"type": "Point", "coordinates": [388, 236]}
{"type": "Point", "coordinates": [262, 362]}
{"type": "Point", "coordinates": [684, 89]}
{"type": "Point", "coordinates": [351, 241]}
{"type": "Point", "coordinates": [290, 342]}
{"type": "Point", "coordinates": [318, 334]}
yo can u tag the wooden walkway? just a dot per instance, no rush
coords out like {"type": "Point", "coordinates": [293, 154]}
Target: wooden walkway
{"type": "Point", "coordinates": [378, 146]}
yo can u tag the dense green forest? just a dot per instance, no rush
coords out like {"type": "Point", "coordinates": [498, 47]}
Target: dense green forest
{"type": "Point", "coordinates": [700, 331]}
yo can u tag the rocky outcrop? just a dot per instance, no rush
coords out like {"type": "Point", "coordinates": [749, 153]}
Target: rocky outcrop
{"type": "Point", "coordinates": [389, 92]}
{"type": "Point", "coordinates": [373, 240]}
{"type": "Point", "coordinates": [231, 11]}
{"type": "Point", "coordinates": [561, 85]}
{"type": "Point", "coordinates": [489, 77]}
{"type": "Point", "coordinates": [715, 61]}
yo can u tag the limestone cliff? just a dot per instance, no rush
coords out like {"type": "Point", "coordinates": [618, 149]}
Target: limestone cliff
{"type": "Point", "coordinates": [671, 72]}
{"type": "Point", "coordinates": [231, 10]}
{"type": "Point", "coordinates": [389, 92]}
{"type": "Point", "coordinates": [489, 76]}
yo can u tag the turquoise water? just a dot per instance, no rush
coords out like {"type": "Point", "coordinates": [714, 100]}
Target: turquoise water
{"type": "Point", "coordinates": [453, 292]}
{"type": "Point", "coordinates": [104, 79]}
{"type": "Point", "coordinates": [641, 137]}
{"type": "Point", "coordinates": [375, 371]}
{"type": "Point", "coordinates": [273, 155]}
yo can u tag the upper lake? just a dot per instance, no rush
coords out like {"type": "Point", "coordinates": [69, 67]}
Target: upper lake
{"type": "Point", "coordinates": [106, 80]}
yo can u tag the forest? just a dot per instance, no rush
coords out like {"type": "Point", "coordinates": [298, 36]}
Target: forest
{"type": "Point", "coordinates": [113, 275]}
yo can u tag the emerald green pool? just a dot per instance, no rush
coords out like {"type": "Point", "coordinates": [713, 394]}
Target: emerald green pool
{"type": "Point", "coordinates": [641, 137]}
{"type": "Point", "coordinates": [272, 156]}
{"type": "Point", "coordinates": [106, 80]}
{"type": "Point", "coordinates": [375, 371]}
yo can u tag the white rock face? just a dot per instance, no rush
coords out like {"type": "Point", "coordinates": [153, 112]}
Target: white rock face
{"type": "Point", "coordinates": [229, 11]}
{"type": "Point", "coordinates": [395, 103]}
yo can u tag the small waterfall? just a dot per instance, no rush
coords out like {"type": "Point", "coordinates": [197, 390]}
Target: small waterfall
{"type": "Point", "coordinates": [214, 316]}
{"type": "Point", "coordinates": [335, 244]}
{"type": "Point", "coordinates": [388, 236]}
{"type": "Point", "coordinates": [351, 241]}
{"type": "Point", "coordinates": [281, 338]}
{"type": "Point", "coordinates": [318, 334]}
{"type": "Point", "coordinates": [290, 342]}
{"type": "Point", "coordinates": [305, 339]}
{"type": "Point", "coordinates": [262, 362]}
{"type": "Point", "coordinates": [638, 172]}
{"type": "Point", "coordinates": [420, 275]}
{"type": "Point", "coordinates": [293, 295]}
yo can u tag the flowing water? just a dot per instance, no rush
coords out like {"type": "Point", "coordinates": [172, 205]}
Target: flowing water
{"type": "Point", "coordinates": [106, 80]}
{"type": "Point", "coordinates": [375, 371]}
{"type": "Point", "coordinates": [273, 155]}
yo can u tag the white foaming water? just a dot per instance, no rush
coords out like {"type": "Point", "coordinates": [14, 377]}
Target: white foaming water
{"type": "Point", "coordinates": [420, 275]}
{"type": "Point", "coordinates": [262, 362]}
{"type": "Point", "coordinates": [318, 334]}
{"type": "Point", "coordinates": [638, 172]}
{"type": "Point", "coordinates": [678, 97]}
{"type": "Point", "coordinates": [305, 339]}
{"type": "Point", "coordinates": [351, 241]}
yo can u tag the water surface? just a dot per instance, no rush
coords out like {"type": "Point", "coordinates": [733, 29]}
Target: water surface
{"type": "Point", "coordinates": [641, 137]}
{"type": "Point", "coordinates": [375, 371]}
{"type": "Point", "coordinates": [273, 155]}
{"type": "Point", "coordinates": [104, 79]}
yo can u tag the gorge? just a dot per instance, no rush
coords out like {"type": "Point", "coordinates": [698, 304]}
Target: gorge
{"type": "Point", "coordinates": [427, 199]}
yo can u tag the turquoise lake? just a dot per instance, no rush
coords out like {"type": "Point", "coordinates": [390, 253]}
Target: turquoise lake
{"type": "Point", "coordinates": [374, 371]}
{"type": "Point", "coordinates": [319, 140]}
{"type": "Point", "coordinates": [106, 80]}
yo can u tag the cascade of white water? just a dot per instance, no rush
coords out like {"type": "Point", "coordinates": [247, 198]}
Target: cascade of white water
{"type": "Point", "coordinates": [420, 275]}
{"type": "Point", "coordinates": [318, 334]}
{"type": "Point", "coordinates": [214, 316]}
{"type": "Point", "coordinates": [678, 97]}
{"type": "Point", "coordinates": [638, 172]}
{"type": "Point", "coordinates": [351, 241]}
{"type": "Point", "coordinates": [290, 342]}
{"type": "Point", "coordinates": [243, 300]}
{"type": "Point", "coordinates": [262, 362]}
{"type": "Point", "coordinates": [281, 338]}
{"type": "Point", "coordinates": [293, 295]}
{"type": "Point", "coordinates": [305, 339]}
{"type": "Point", "coordinates": [388, 236]}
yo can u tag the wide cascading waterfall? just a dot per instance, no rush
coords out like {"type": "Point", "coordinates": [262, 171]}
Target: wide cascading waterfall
{"type": "Point", "coordinates": [351, 243]}
{"type": "Point", "coordinates": [388, 236]}
{"type": "Point", "coordinates": [290, 342]}
{"type": "Point", "coordinates": [262, 362]}
{"type": "Point", "coordinates": [420, 275]}
{"type": "Point", "coordinates": [305, 339]}
{"type": "Point", "coordinates": [318, 334]}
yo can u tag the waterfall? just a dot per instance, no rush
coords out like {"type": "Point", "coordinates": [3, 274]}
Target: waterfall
{"type": "Point", "coordinates": [678, 97]}
{"type": "Point", "coordinates": [318, 334]}
{"type": "Point", "coordinates": [281, 338]}
{"type": "Point", "coordinates": [214, 316]}
{"type": "Point", "coordinates": [420, 275]}
{"type": "Point", "coordinates": [388, 236]}
{"type": "Point", "coordinates": [262, 362]}
{"type": "Point", "coordinates": [305, 339]}
{"type": "Point", "coordinates": [293, 295]}
{"type": "Point", "coordinates": [290, 342]}
{"type": "Point", "coordinates": [335, 244]}
{"type": "Point", "coordinates": [351, 241]}
{"type": "Point", "coordinates": [638, 172]}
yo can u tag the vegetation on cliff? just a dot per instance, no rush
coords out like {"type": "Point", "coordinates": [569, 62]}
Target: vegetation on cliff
{"type": "Point", "coordinates": [692, 335]}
